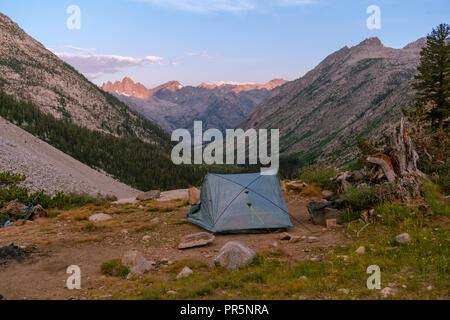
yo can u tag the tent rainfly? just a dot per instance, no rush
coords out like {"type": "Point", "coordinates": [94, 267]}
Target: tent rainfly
{"type": "Point", "coordinates": [240, 203]}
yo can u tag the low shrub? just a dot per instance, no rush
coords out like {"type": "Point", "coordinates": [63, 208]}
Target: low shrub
{"type": "Point", "coordinates": [321, 177]}
{"type": "Point", "coordinates": [114, 268]}
{"type": "Point", "coordinates": [362, 197]}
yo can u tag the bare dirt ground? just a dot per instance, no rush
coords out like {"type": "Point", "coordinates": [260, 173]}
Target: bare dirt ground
{"type": "Point", "coordinates": [70, 239]}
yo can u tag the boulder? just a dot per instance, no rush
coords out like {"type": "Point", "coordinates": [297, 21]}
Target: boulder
{"type": "Point", "coordinates": [15, 209]}
{"type": "Point", "coordinates": [186, 272]}
{"type": "Point", "coordinates": [150, 195]}
{"type": "Point", "coordinates": [100, 217]}
{"type": "Point", "coordinates": [295, 186]}
{"type": "Point", "coordinates": [403, 238]}
{"type": "Point", "coordinates": [196, 240]}
{"type": "Point", "coordinates": [180, 194]}
{"type": "Point", "coordinates": [38, 212]}
{"type": "Point", "coordinates": [320, 212]}
{"type": "Point", "coordinates": [327, 194]}
{"type": "Point", "coordinates": [356, 176]}
{"type": "Point", "coordinates": [194, 196]}
{"type": "Point", "coordinates": [136, 262]}
{"type": "Point", "coordinates": [234, 255]}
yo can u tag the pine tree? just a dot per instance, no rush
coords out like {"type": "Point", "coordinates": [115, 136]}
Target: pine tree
{"type": "Point", "coordinates": [434, 72]}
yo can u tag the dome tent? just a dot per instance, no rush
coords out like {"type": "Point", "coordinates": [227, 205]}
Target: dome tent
{"type": "Point", "coordinates": [240, 203]}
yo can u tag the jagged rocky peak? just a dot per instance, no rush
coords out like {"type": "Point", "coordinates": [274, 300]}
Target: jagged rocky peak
{"type": "Point", "coordinates": [372, 42]}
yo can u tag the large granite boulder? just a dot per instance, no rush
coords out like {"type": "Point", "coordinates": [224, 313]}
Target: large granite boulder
{"type": "Point", "coordinates": [151, 195]}
{"type": "Point", "coordinates": [234, 255]}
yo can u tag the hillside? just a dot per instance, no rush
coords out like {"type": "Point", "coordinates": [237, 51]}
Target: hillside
{"type": "Point", "coordinates": [355, 92]}
{"type": "Point", "coordinates": [28, 71]}
{"type": "Point", "coordinates": [51, 170]}
{"type": "Point", "coordinates": [173, 105]}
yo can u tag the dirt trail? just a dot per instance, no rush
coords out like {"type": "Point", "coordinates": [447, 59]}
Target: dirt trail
{"type": "Point", "coordinates": [62, 242]}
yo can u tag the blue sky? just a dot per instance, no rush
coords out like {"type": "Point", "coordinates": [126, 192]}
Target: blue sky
{"type": "Point", "coordinates": [195, 41]}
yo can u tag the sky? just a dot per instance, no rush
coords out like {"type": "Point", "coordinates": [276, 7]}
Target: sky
{"type": "Point", "coordinates": [195, 41]}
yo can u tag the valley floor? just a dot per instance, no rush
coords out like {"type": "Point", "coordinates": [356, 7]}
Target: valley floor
{"type": "Point", "coordinates": [325, 269]}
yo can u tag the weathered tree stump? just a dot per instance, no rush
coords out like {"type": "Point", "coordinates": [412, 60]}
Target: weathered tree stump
{"type": "Point", "coordinates": [399, 162]}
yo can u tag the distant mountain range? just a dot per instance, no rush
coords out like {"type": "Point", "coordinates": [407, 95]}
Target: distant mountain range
{"type": "Point", "coordinates": [354, 93]}
{"type": "Point", "coordinates": [173, 105]}
{"type": "Point", "coordinates": [29, 71]}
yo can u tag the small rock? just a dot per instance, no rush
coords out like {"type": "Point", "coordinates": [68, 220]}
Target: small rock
{"type": "Point", "coordinates": [403, 238]}
{"type": "Point", "coordinates": [361, 250]}
{"type": "Point", "coordinates": [312, 239]}
{"type": "Point", "coordinates": [315, 259]}
{"type": "Point", "coordinates": [285, 236]}
{"type": "Point", "coordinates": [194, 196]}
{"type": "Point", "coordinates": [165, 261]}
{"type": "Point", "coordinates": [331, 223]}
{"type": "Point", "coordinates": [295, 239]}
{"type": "Point", "coordinates": [146, 238]}
{"type": "Point", "coordinates": [275, 244]}
{"type": "Point", "coordinates": [136, 262]}
{"type": "Point", "coordinates": [125, 232]}
{"type": "Point", "coordinates": [303, 278]}
{"type": "Point", "coordinates": [429, 288]}
{"type": "Point", "coordinates": [386, 292]}
{"type": "Point", "coordinates": [154, 194]}
{"type": "Point", "coordinates": [328, 195]}
{"type": "Point", "coordinates": [196, 240]}
{"type": "Point", "coordinates": [171, 292]}
{"type": "Point", "coordinates": [344, 290]}
{"type": "Point", "coordinates": [155, 221]}
{"type": "Point", "coordinates": [74, 298]}
{"type": "Point", "coordinates": [234, 255]}
{"type": "Point", "coordinates": [100, 217]}
{"type": "Point", "coordinates": [345, 258]}
{"type": "Point", "coordinates": [186, 272]}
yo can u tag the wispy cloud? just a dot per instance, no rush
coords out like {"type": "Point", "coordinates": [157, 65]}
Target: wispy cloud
{"type": "Point", "coordinates": [233, 6]}
{"type": "Point", "coordinates": [94, 64]}
{"type": "Point", "coordinates": [203, 54]}
{"type": "Point", "coordinates": [78, 49]}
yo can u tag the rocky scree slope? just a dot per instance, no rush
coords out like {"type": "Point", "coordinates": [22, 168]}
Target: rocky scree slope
{"type": "Point", "coordinates": [51, 170]}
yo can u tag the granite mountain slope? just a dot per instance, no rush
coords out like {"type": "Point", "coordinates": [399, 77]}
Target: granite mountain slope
{"type": "Point", "coordinates": [28, 71]}
{"type": "Point", "coordinates": [354, 93]}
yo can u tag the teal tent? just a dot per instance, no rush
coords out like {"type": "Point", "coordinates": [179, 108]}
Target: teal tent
{"type": "Point", "coordinates": [240, 203]}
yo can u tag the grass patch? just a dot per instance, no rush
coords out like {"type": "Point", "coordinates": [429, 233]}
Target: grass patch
{"type": "Point", "coordinates": [91, 227]}
{"type": "Point", "coordinates": [114, 268]}
{"type": "Point", "coordinates": [433, 197]}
